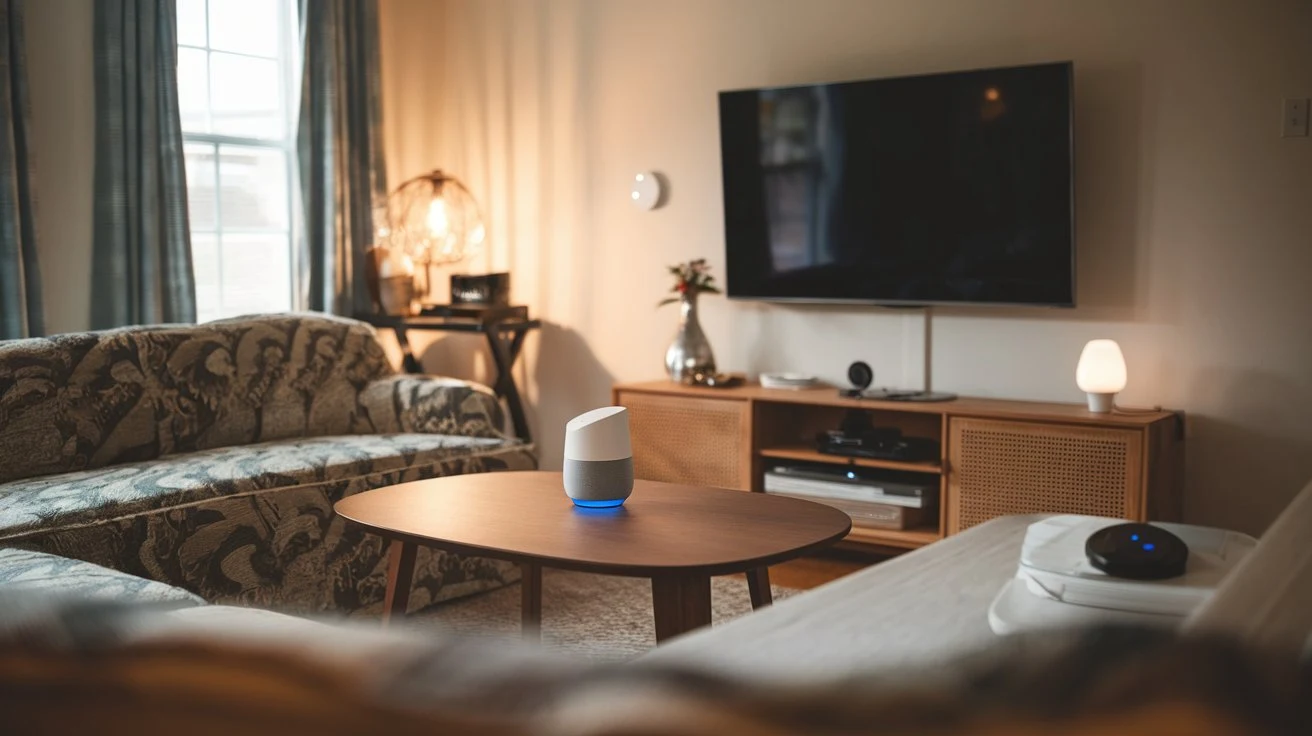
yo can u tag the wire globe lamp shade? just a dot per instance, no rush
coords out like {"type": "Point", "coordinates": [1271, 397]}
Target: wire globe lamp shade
{"type": "Point", "coordinates": [434, 219]}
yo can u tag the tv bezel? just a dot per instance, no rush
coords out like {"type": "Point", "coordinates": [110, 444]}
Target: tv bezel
{"type": "Point", "coordinates": [1074, 253]}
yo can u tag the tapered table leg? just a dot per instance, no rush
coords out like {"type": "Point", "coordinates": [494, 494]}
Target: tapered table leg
{"type": "Point", "coordinates": [400, 575]}
{"type": "Point", "coordinates": [681, 602]}
{"type": "Point", "coordinates": [758, 587]}
{"type": "Point", "coordinates": [531, 601]}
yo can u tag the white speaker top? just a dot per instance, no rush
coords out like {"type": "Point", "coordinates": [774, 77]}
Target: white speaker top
{"type": "Point", "coordinates": [599, 435]}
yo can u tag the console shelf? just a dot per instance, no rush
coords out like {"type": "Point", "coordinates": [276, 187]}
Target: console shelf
{"type": "Point", "coordinates": [899, 538]}
{"type": "Point", "coordinates": [997, 457]}
{"type": "Point", "coordinates": [804, 454]}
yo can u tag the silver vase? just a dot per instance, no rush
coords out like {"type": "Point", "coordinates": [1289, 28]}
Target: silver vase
{"type": "Point", "coordinates": [690, 353]}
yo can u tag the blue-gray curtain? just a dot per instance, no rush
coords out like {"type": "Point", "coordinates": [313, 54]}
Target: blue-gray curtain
{"type": "Point", "coordinates": [20, 281]}
{"type": "Point", "coordinates": [142, 256]}
{"type": "Point", "coordinates": [340, 150]}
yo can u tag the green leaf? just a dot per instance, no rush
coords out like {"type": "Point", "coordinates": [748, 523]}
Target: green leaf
{"type": "Point", "coordinates": [667, 300]}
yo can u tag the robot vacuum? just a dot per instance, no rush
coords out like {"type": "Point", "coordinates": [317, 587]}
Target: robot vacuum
{"type": "Point", "coordinates": [1077, 570]}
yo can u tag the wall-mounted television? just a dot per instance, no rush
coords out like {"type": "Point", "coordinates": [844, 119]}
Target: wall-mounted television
{"type": "Point", "coordinates": [936, 189]}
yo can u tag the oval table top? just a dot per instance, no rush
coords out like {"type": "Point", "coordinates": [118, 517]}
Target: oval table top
{"type": "Point", "coordinates": [525, 516]}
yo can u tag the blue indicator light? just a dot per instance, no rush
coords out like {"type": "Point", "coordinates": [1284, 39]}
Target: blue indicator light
{"type": "Point", "coordinates": [1134, 537]}
{"type": "Point", "coordinates": [851, 474]}
{"type": "Point", "coordinates": [1149, 546]}
{"type": "Point", "coordinates": [608, 504]}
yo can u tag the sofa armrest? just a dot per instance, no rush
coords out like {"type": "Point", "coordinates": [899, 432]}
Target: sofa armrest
{"type": "Point", "coordinates": [432, 405]}
{"type": "Point", "coordinates": [1267, 598]}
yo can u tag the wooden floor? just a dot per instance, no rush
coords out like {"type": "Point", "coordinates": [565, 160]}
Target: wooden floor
{"type": "Point", "coordinates": [805, 573]}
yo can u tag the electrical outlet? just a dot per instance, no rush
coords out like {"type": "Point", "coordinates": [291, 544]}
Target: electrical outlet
{"type": "Point", "coordinates": [1294, 119]}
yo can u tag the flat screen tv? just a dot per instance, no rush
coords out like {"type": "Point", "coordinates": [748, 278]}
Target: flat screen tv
{"type": "Point", "coordinates": [937, 189]}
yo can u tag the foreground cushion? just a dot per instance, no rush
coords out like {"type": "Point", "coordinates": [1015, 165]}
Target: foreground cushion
{"type": "Point", "coordinates": [68, 669]}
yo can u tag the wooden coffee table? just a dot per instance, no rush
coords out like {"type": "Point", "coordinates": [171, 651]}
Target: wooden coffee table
{"type": "Point", "coordinates": [679, 536]}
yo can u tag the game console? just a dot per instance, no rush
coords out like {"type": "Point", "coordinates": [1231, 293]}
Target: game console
{"type": "Point", "coordinates": [883, 444]}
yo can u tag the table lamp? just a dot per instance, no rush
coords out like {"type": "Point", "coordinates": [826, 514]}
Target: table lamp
{"type": "Point", "coordinates": [435, 220]}
{"type": "Point", "coordinates": [1101, 374]}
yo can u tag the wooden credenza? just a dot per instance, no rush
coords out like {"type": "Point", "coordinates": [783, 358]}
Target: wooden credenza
{"type": "Point", "coordinates": [997, 457]}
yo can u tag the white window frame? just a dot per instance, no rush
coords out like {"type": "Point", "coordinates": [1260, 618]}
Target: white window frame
{"type": "Point", "coordinates": [288, 50]}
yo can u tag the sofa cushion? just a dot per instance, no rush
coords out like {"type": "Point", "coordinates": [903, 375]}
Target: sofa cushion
{"type": "Point", "coordinates": [104, 494]}
{"type": "Point", "coordinates": [255, 525]}
{"type": "Point", "coordinates": [25, 571]}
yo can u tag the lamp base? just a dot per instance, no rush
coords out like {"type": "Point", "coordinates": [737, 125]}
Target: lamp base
{"type": "Point", "coordinates": [1101, 403]}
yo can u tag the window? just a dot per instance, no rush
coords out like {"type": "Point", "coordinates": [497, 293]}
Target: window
{"type": "Point", "coordinates": [236, 89]}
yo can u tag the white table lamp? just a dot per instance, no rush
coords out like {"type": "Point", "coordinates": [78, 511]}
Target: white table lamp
{"type": "Point", "coordinates": [1101, 374]}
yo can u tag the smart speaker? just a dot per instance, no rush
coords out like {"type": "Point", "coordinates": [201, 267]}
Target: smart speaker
{"type": "Point", "coordinates": [598, 458]}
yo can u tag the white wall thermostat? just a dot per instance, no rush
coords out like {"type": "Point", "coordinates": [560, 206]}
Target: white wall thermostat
{"type": "Point", "coordinates": [645, 193]}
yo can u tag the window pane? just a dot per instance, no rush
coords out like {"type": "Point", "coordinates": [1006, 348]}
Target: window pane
{"type": "Point", "coordinates": [245, 98]}
{"type": "Point", "coordinates": [252, 188]}
{"type": "Point", "coordinates": [200, 185]}
{"type": "Point", "coordinates": [191, 22]}
{"type": "Point", "coordinates": [245, 26]}
{"type": "Point", "coordinates": [256, 274]}
{"type": "Point", "coordinates": [205, 264]}
{"type": "Point", "coordinates": [193, 91]}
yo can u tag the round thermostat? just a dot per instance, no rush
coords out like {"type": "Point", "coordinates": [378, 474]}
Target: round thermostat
{"type": "Point", "coordinates": [645, 193]}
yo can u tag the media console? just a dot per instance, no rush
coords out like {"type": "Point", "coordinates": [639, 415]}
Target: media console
{"type": "Point", "coordinates": [997, 457]}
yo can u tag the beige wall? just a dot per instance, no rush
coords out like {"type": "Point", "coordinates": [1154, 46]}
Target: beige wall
{"type": "Point", "coordinates": [1195, 217]}
{"type": "Point", "coordinates": [60, 73]}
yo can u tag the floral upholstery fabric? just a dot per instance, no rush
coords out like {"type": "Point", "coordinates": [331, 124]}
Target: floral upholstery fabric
{"type": "Point", "coordinates": [209, 457]}
{"type": "Point", "coordinates": [23, 571]}
{"type": "Point", "coordinates": [92, 496]}
{"type": "Point", "coordinates": [91, 399]}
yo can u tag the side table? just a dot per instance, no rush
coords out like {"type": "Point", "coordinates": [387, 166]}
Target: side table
{"type": "Point", "coordinates": [504, 329]}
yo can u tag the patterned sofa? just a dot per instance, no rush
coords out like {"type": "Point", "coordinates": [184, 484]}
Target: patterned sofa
{"type": "Point", "coordinates": [209, 457]}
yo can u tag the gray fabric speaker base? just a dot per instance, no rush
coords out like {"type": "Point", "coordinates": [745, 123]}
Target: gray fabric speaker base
{"type": "Point", "coordinates": [598, 480]}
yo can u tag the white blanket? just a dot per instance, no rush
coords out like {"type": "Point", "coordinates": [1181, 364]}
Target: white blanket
{"type": "Point", "coordinates": [919, 608]}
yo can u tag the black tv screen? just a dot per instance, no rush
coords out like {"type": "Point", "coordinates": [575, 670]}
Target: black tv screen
{"type": "Point", "coordinates": [944, 188]}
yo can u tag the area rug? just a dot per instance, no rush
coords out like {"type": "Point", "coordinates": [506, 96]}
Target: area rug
{"type": "Point", "coordinates": [599, 617]}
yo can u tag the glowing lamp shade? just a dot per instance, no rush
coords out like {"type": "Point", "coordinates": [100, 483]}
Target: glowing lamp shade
{"type": "Point", "coordinates": [1101, 374]}
{"type": "Point", "coordinates": [434, 220]}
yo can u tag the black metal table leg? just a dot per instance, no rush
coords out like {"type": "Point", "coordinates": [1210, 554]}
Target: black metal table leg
{"type": "Point", "coordinates": [408, 359]}
{"type": "Point", "coordinates": [504, 385]}
{"type": "Point", "coordinates": [517, 344]}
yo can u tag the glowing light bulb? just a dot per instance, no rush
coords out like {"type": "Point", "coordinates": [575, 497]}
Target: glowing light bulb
{"type": "Point", "coordinates": [477, 235]}
{"type": "Point", "coordinates": [438, 224]}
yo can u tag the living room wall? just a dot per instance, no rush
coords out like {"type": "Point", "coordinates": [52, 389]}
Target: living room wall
{"type": "Point", "coordinates": [1194, 216]}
